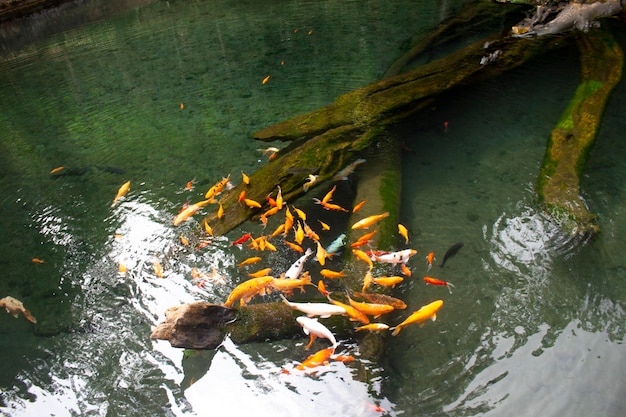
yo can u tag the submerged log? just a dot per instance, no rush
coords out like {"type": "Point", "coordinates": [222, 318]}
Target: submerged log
{"type": "Point", "coordinates": [574, 135]}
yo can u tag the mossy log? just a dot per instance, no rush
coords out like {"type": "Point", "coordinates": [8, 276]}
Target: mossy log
{"type": "Point", "coordinates": [574, 135]}
{"type": "Point", "coordinates": [327, 139]}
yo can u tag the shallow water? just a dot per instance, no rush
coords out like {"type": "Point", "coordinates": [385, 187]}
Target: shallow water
{"type": "Point", "coordinates": [534, 325]}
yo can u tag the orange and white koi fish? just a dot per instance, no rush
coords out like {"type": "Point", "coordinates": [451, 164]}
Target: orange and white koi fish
{"type": "Point", "coordinates": [245, 291]}
{"type": "Point", "coordinates": [404, 232]}
{"type": "Point", "coordinates": [246, 179]}
{"type": "Point", "coordinates": [217, 188]}
{"type": "Point", "coordinates": [38, 261]}
{"type": "Point", "coordinates": [363, 257]}
{"type": "Point", "coordinates": [14, 306]}
{"type": "Point", "coordinates": [435, 281]}
{"type": "Point", "coordinates": [396, 303]}
{"type": "Point", "coordinates": [359, 206]}
{"type": "Point", "coordinates": [190, 184]}
{"type": "Point", "coordinates": [400, 257]}
{"type": "Point", "coordinates": [353, 313]}
{"type": "Point", "coordinates": [295, 269]}
{"type": "Point", "coordinates": [319, 358]}
{"type": "Point", "coordinates": [329, 195]}
{"type": "Point", "coordinates": [287, 285]}
{"type": "Point", "coordinates": [249, 261]}
{"type": "Point", "coordinates": [57, 169]}
{"type": "Point", "coordinates": [220, 211]}
{"type": "Point", "coordinates": [260, 273]}
{"type": "Point", "coordinates": [373, 327]}
{"type": "Point", "coordinates": [121, 192]}
{"type": "Point", "coordinates": [405, 270]}
{"type": "Point", "coordinates": [420, 316]}
{"type": "Point", "coordinates": [315, 329]}
{"type": "Point", "coordinates": [324, 225]}
{"type": "Point", "coordinates": [294, 246]}
{"type": "Point", "coordinates": [327, 273]}
{"type": "Point", "coordinates": [312, 179]}
{"type": "Point", "coordinates": [369, 221]}
{"type": "Point", "coordinates": [371, 309]}
{"type": "Point", "coordinates": [252, 203]}
{"type": "Point", "coordinates": [189, 211]}
{"type": "Point", "coordinates": [388, 281]}
{"type": "Point", "coordinates": [429, 259]}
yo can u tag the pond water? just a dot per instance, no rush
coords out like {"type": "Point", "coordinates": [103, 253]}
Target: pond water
{"type": "Point", "coordinates": [162, 93]}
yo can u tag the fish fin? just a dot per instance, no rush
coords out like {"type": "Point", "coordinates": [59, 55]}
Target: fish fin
{"type": "Point", "coordinates": [306, 331]}
{"type": "Point", "coordinates": [434, 317]}
{"type": "Point", "coordinates": [325, 316]}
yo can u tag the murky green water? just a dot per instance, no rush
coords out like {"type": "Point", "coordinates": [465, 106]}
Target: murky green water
{"type": "Point", "coordinates": [535, 324]}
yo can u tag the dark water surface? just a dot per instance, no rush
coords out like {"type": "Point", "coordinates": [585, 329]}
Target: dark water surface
{"type": "Point", "coordinates": [160, 93]}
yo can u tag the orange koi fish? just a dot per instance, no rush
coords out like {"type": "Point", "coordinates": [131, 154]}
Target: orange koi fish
{"type": "Point", "coordinates": [57, 169]}
{"type": "Point", "coordinates": [14, 306]}
{"type": "Point", "coordinates": [121, 192]}
{"type": "Point", "coordinates": [353, 313]}
{"type": "Point", "coordinates": [251, 203]}
{"type": "Point", "coordinates": [260, 273]}
{"type": "Point", "coordinates": [122, 269]}
{"type": "Point", "coordinates": [359, 206]}
{"type": "Point", "coordinates": [249, 261]}
{"type": "Point", "coordinates": [184, 240]}
{"type": "Point", "coordinates": [190, 211]}
{"type": "Point", "coordinates": [208, 228]}
{"type": "Point", "coordinates": [38, 261]}
{"type": "Point", "coordinates": [321, 254]}
{"type": "Point", "coordinates": [294, 246]}
{"type": "Point", "coordinates": [369, 221]}
{"type": "Point", "coordinates": [329, 206]}
{"type": "Point", "coordinates": [299, 234]}
{"type": "Point", "coordinates": [242, 196]}
{"type": "Point", "coordinates": [363, 257]}
{"type": "Point", "coordinates": [429, 259]}
{"type": "Point", "coordinates": [371, 309]}
{"type": "Point", "coordinates": [367, 280]}
{"type": "Point", "coordinates": [220, 212]}
{"type": "Point", "coordinates": [300, 213]}
{"type": "Point", "coordinates": [203, 244]}
{"type": "Point", "coordinates": [388, 281]}
{"type": "Point", "coordinates": [279, 230]}
{"type": "Point", "coordinates": [324, 225]}
{"type": "Point", "coordinates": [404, 232]}
{"type": "Point", "coordinates": [317, 359]}
{"type": "Point", "coordinates": [217, 188]}
{"type": "Point", "coordinates": [271, 211]}
{"type": "Point", "coordinates": [245, 291]}
{"type": "Point", "coordinates": [270, 200]}
{"type": "Point", "coordinates": [246, 179]}
{"type": "Point", "coordinates": [310, 233]}
{"type": "Point", "coordinates": [288, 220]}
{"type": "Point", "coordinates": [405, 270]}
{"type": "Point", "coordinates": [321, 287]}
{"type": "Point", "coordinates": [382, 299]}
{"type": "Point", "coordinates": [373, 327]}
{"type": "Point", "coordinates": [279, 198]}
{"type": "Point", "coordinates": [287, 285]}
{"type": "Point", "coordinates": [329, 195]}
{"type": "Point", "coordinates": [420, 316]}
{"type": "Point", "coordinates": [435, 281]}
{"type": "Point", "coordinates": [190, 184]}
{"type": "Point", "coordinates": [265, 80]}
{"type": "Point", "coordinates": [363, 240]}
{"type": "Point", "coordinates": [269, 245]}
{"type": "Point", "coordinates": [327, 273]}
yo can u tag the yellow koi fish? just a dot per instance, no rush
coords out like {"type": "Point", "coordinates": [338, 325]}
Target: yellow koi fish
{"type": "Point", "coordinates": [373, 327]}
{"type": "Point", "coordinates": [388, 281]}
{"type": "Point", "coordinates": [121, 192]}
{"type": "Point", "coordinates": [217, 188]}
{"type": "Point", "coordinates": [363, 257]}
{"type": "Point", "coordinates": [404, 232]}
{"type": "Point", "coordinates": [260, 273]}
{"type": "Point", "coordinates": [245, 291]}
{"type": "Point", "coordinates": [327, 273]}
{"type": "Point", "coordinates": [249, 261]}
{"type": "Point", "coordinates": [190, 211]}
{"type": "Point", "coordinates": [369, 221]}
{"type": "Point", "coordinates": [427, 312]}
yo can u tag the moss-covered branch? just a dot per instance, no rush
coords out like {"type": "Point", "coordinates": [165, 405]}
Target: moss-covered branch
{"type": "Point", "coordinates": [574, 135]}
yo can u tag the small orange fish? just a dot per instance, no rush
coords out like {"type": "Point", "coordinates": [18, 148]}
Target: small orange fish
{"type": "Point", "coordinates": [405, 270]}
{"type": "Point", "coordinates": [279, 198]}
{"type": "Point", "coordinates": [373, 327]}
{"type": "Point", "coordinates": [435, 281]}
{"type": "Point", "coordinates": [388, 281]}
{"type": "Point", "coordinates": [182, 106]}
{"type": "Point", "coordinates": [208, 228]}
{"type": "Point", "coordinates": [266, 79]}
{"type": "Point", "coordinates": [371, 309]}
{"type": "Point", "coordinates": [300, 213]}
{"type": "Point", "coordinates": [359, 206]}
{"type": "Point", "coordinates": [246, 179]}
{"type": "Point", "coordinates": [251, 203]}
{"type": "Point", "coordinates": [321, 254]}
{"type": "Point", "coordinates": [38, 261]}
{"type": "Point", "coordinates": [322, 288]}
{"type": "Point", "coordinates": [249, 261]}
{"type": "Point", "coordinates": [57, 169]}
{"type": "Point", "coordinates": [404, 232]}
{"type": "Point", "coordinates": [242, 196]}
{"type": "Point", "coordinates": [184, 240]}
{"type": "Point", "coordinates": [121, 192]}
{"type": "Point", "coordinates": [310, 233]}
{"type": "Point", "coordinates": [260, 273]}
{"type": "Point", "coordinates": [287, 285]}
{"type": "Point", "coordinates": [220, 212]}
{"type": "Point", "coordinates": [369, 221]}
{"type": "Point", "coordinates": [363, 257]}
{"type": "Point", "coordinates": [324, 225]}
{"type": "Point", "coordinates": [330, 206]}
{"type": "Point", "coordinates": [122, 269]}
{"type": "Point", "coordinates": [353, 313]}
{"type": "Point", "coordinates": [189, 185]}
{"type": "Point", "coordinates": [429, 259]}
{"type": "Point", "coordinates": [327, 273]}
{"type": "Point", "coordinates": [245, 291]}
{"type": "Point", "coordinates": [317, 359]}
{"type": "Point", "coordinates": [203, 244]}
{"type": "Point", "coordinates": [329, 195]}
{"type": "Point", "coordinates": [190, 211]}
{"type": "Point", "coordinates": [294, 246]}
{"type": "Point", "coordinates": [299, 234]}
{"type": "Point", "coordinates": [279, 230]}
{"type": "Point", "coordinates": [367, 280]}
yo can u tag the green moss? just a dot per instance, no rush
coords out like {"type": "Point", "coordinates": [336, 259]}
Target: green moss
{"type": "Point", "coordinates": [583, 92]}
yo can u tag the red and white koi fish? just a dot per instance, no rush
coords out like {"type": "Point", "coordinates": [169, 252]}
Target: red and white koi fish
{"type": "Point", "coordinates": [315, 329]}
{"type": "Point", "coordinates": [427, 312]}
{"type": "Point", "coordinates": [295, 269]}
{"type": "Point", "coordinates": [400, 257]}
{"type": "Point", "coordinates": [435, 281]}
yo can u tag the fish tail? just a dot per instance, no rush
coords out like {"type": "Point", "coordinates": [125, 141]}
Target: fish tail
{"type": "Point", "coordinates": [396, 330]}
{"type": "Point", "coordinates": [317, 200]}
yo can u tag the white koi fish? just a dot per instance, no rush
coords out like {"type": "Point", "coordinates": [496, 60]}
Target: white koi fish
{"type": "Point", "coordinates": [323, 310]}
{"type": "Point", "coordinates": [315, 329]}
{"type": "Point", "coordinates": [400, 257]}
{"type": "Point", "coordinates": [295, 269]}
